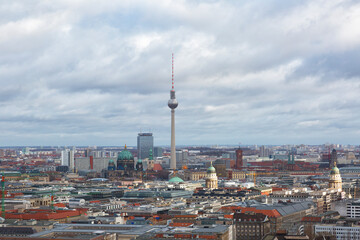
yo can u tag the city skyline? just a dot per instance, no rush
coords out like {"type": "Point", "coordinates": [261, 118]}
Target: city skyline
{"type": "Point", "coordinates": [252, 72]}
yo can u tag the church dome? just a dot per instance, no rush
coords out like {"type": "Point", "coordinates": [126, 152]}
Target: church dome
{"type": "Point", "coordinates": [211, 169]}
{"type": "Point", "coordinates": [139, 160]}
{"type": "Point", "coordinates": [176, 180]}
{"type": "Point", "coordinates": [335, 170]}
{"type": "Point", "coordinates": [111, 161]}
{"type": "Point", "coordinates": [125, 155]}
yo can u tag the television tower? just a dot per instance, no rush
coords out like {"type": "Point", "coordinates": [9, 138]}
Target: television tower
{"type": "Point", "coordinates": [172, 103]}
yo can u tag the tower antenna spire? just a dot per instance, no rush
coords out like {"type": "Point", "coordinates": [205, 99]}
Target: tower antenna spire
{"type": "Point", "coordinates": [172, 71]}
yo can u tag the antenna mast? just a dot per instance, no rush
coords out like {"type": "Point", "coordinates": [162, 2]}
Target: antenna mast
{"type": "Point", "coordinates": [172, 71]}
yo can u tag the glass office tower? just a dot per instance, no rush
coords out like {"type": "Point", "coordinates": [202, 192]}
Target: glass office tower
{"type": "Point", "coordinates": [145, 142]}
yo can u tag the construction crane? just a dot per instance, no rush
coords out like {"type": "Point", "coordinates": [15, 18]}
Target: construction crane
{"type": "Point", "coordinates": [254, 174]}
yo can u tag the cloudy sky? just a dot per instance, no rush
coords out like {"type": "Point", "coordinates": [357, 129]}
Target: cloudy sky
{"type": "Point", "coordinates": [86, 72]}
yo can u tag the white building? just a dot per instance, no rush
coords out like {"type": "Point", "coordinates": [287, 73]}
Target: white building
{"type": "Point", "coordinates": [353, 209]}
{"type": "Point", "coordinates": [76, 202]}
{"type": "Point", "coordinates": [71, 160]}
{"type": "Point", "coordinates": [83, 163]}
{"type": "Point", "coordinates": [340, 232]}
{"type": "Point", "coordinates": [67, 159]}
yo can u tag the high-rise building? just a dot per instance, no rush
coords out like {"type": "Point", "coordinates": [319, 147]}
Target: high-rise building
{"type": "Point", "coordinates": [145, 143]}
{"type": "Point", "coordinates": [172, 103]}
{"type": "Point", "coordinates": [264, 152]}
{"type": "Point", "coordinates": [182, 158]}
{"type": "Point", "coordinates": [158, 152]}
{"type": "Point", "coordinates": [67, 159]}
{"type": "Point", "coordinates": [71, 160]}
{"type": "Point", "coordinates": [27, 151]}
{"type": "Point", "coordinates": [87, 152]}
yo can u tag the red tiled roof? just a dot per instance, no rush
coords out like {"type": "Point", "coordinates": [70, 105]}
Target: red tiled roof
{"type": "Point", "coordinates": [59, 205]}
{"type": "Point", "coordinates": [311, 219]}
{"type": "Point", "coordinates": [42, 214]}
{"type": "Point", "coordinates": [157, 167]}
{"type": "Point", "coordinates": [269, 213]}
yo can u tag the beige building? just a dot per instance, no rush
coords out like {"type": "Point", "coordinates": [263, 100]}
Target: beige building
{"type": "Point", "coordinates": [335, 181]}
{"type": "Point", "coordinates": [211, 180]}
{"type": "Point", "coordinates": [194, 175]}
{"type": "Point", "coordinates": [235, 174]}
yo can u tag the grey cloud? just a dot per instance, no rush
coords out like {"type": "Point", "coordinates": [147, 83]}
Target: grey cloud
{"type": "Point", "coordinates": [83, 73]}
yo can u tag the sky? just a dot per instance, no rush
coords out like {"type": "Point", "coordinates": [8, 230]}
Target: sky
{"type": "Point", "coordinates": [89, 72]}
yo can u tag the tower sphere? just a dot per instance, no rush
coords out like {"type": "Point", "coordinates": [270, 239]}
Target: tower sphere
{"type": "Point", "coordinates": [172, 103]}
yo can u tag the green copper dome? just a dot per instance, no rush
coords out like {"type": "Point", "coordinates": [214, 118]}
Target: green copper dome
{"type": "Point", "coordinates": [176, 180]}
{"type": "Point", "coordinates": [139, 160]}
{"type": "Point", "coordinates": [125, 155]}
{"type": "Point", "coordinates": [111, 161]}
{"type": "Point", "coordinates": [211, 169]}
{"type": "Point", "coordinates": [335, 170]}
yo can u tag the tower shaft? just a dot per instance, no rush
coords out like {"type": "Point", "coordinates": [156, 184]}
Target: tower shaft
{"type": "Point", "coordinates": [173, 149]}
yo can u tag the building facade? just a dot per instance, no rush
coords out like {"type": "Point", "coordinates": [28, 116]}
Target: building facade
{"type": "Point", "coordinates": [251, 225]}
{"type": "Point", "coordinates": [337, 231]}
{"type": "Point", "coordinates": [67, 159]}
{"type": "Point", "coordinates": [353, 209]}
{"type": "Point", "coordinates": [194, 175]}
{"type": "Point", "coordinates": [158, 152]}
{"type": "Point", "coordinates": [145, 142]}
